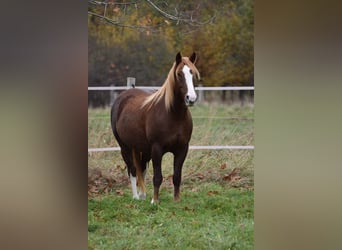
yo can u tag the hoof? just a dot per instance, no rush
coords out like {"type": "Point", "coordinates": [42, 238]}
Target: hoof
{"type": "Point", "coordinates": [142, 196]}
{"type": "Point", "coordinates": [136, 197]}
{"type": "Point", "coordinates": [153, 202]}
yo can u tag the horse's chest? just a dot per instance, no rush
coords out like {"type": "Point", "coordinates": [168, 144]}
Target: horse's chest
{"type": "Point", "coordinates": [171, 133]}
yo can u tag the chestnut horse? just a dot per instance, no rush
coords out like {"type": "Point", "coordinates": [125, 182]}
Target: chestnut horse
{"type": "Point", "coordinates": [148, 125]}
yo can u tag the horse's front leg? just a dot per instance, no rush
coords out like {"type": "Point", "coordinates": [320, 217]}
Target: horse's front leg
{"type": "Point", "coordinates": [179, 157]}
{"type": "Point", "coordinates": [157, 155]}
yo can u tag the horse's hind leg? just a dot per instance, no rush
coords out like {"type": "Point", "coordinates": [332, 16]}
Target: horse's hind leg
{"type": "Point", "coordinates": [127, 156]}
{"type": "Point", "coordinates": [144, 167]}
{"type": "Point", "coordinates": [137, 160]}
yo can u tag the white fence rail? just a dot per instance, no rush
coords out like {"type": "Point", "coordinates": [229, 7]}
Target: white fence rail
{"type": "Point", "coordinates": [190, 147]}
{"type": "Point", "coordinates": [157, 87]}
{"type": "Point", "coordinates": [193, 147]}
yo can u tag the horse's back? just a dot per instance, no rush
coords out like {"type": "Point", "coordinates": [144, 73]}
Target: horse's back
{"type": "Point", "coordinates": [127, 118]}
{"type": "Point", "coordinates": [130, 97]}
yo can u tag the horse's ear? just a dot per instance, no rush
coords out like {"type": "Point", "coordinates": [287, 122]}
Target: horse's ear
{"type": "Point", "coordinates": [178, 58]}
{"type": "Point", "coordinates": [193, 58]}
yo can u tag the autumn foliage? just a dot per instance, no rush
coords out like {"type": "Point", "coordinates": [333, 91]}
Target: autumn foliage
{"type": "Point", "coordinates": [140, 41]}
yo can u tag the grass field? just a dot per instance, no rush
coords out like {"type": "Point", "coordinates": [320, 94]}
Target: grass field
{"type": "Point", "coordinates": [216, 207]}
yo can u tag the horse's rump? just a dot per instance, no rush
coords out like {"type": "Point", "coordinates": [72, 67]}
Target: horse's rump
{"type": "Point", "coordinates": [128, 119]}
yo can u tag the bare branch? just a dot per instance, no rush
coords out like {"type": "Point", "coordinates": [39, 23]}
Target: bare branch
{"type": "Point", "coordinates": [113, 3]}
{"type": "Point", "coordinates": [179, 17]}
{"type": "Point", "coordinates": [117, 23]}
{"type": "Point", "coordinates": [103, 17]}
{"type": "Point", "coordinates": [174, 18]}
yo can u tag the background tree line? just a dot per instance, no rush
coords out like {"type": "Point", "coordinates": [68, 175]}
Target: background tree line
{"type": "Point", "coordinates": [141, 38]}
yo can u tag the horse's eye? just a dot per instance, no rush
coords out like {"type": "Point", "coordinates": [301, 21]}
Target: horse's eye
{"type": "Point", "coordinates": [180, 75]}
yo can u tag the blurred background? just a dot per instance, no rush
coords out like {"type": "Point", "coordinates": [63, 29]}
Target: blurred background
{"type": "Point", "coordinates": [141, 38]}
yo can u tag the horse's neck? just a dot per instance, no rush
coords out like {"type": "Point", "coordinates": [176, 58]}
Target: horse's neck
{"type": "Point", "coordinates": [178, 106]}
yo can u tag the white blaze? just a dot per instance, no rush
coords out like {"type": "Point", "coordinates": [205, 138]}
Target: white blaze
{"type": "Point", "coordinates": [190, 85]}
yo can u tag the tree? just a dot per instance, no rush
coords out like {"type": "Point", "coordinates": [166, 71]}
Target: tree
{"type": "Point", "coordinates": [115, 13]}
{"type": "Point", "coordinates": [140, 39]}
{"type": "Point", "coordinates": [228, 55]}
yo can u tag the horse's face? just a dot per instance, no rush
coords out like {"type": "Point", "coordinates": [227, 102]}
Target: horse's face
{"type": "Point", "coordinates": [190, 95]}
{"type": "Point", "coordinates": [186, 73]}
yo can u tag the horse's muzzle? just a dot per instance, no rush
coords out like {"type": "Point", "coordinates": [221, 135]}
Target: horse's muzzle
{"type": "Point", "coordinates": [190, 101]}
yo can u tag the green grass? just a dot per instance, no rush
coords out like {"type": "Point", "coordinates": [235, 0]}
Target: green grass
{"type": "Point", "coordinates": [212, 217]}
{"type": "Point", "coordinates": [213, 213]}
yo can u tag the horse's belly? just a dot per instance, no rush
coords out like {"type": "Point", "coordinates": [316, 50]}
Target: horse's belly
{"type": "Point", "coordinates": [132, 132]}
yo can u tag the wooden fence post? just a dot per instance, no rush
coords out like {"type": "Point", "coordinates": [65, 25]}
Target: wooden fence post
{"type": "Point", "coordinates": [200, 94]}
{"type": "Point", "coordinates": [130, 82]}
{"type": "Point", "coordinates": [112, 96]}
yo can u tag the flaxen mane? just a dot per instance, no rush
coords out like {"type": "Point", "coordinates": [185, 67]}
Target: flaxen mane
{"type": "Point", "coordinates": [167, 88]}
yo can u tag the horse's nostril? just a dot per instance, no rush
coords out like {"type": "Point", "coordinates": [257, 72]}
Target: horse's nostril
{"type": "Point", "coordinates": [188, 97]}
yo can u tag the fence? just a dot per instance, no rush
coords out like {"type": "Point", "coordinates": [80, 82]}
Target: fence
{"type": "Point", "coordinates": [131, 83]}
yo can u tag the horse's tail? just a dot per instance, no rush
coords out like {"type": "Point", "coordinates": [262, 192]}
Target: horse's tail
{"type": "Point", "coordinates": [137, 163]}
{"type": "Point", "coordinates": [114, 116]}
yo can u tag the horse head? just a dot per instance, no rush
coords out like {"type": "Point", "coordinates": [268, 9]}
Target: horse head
{"type": "Point", "coordinates": [185, 73]}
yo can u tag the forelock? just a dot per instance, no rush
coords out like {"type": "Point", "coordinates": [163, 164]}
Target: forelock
{"type": "Point", "coordinates": [192, 67]}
